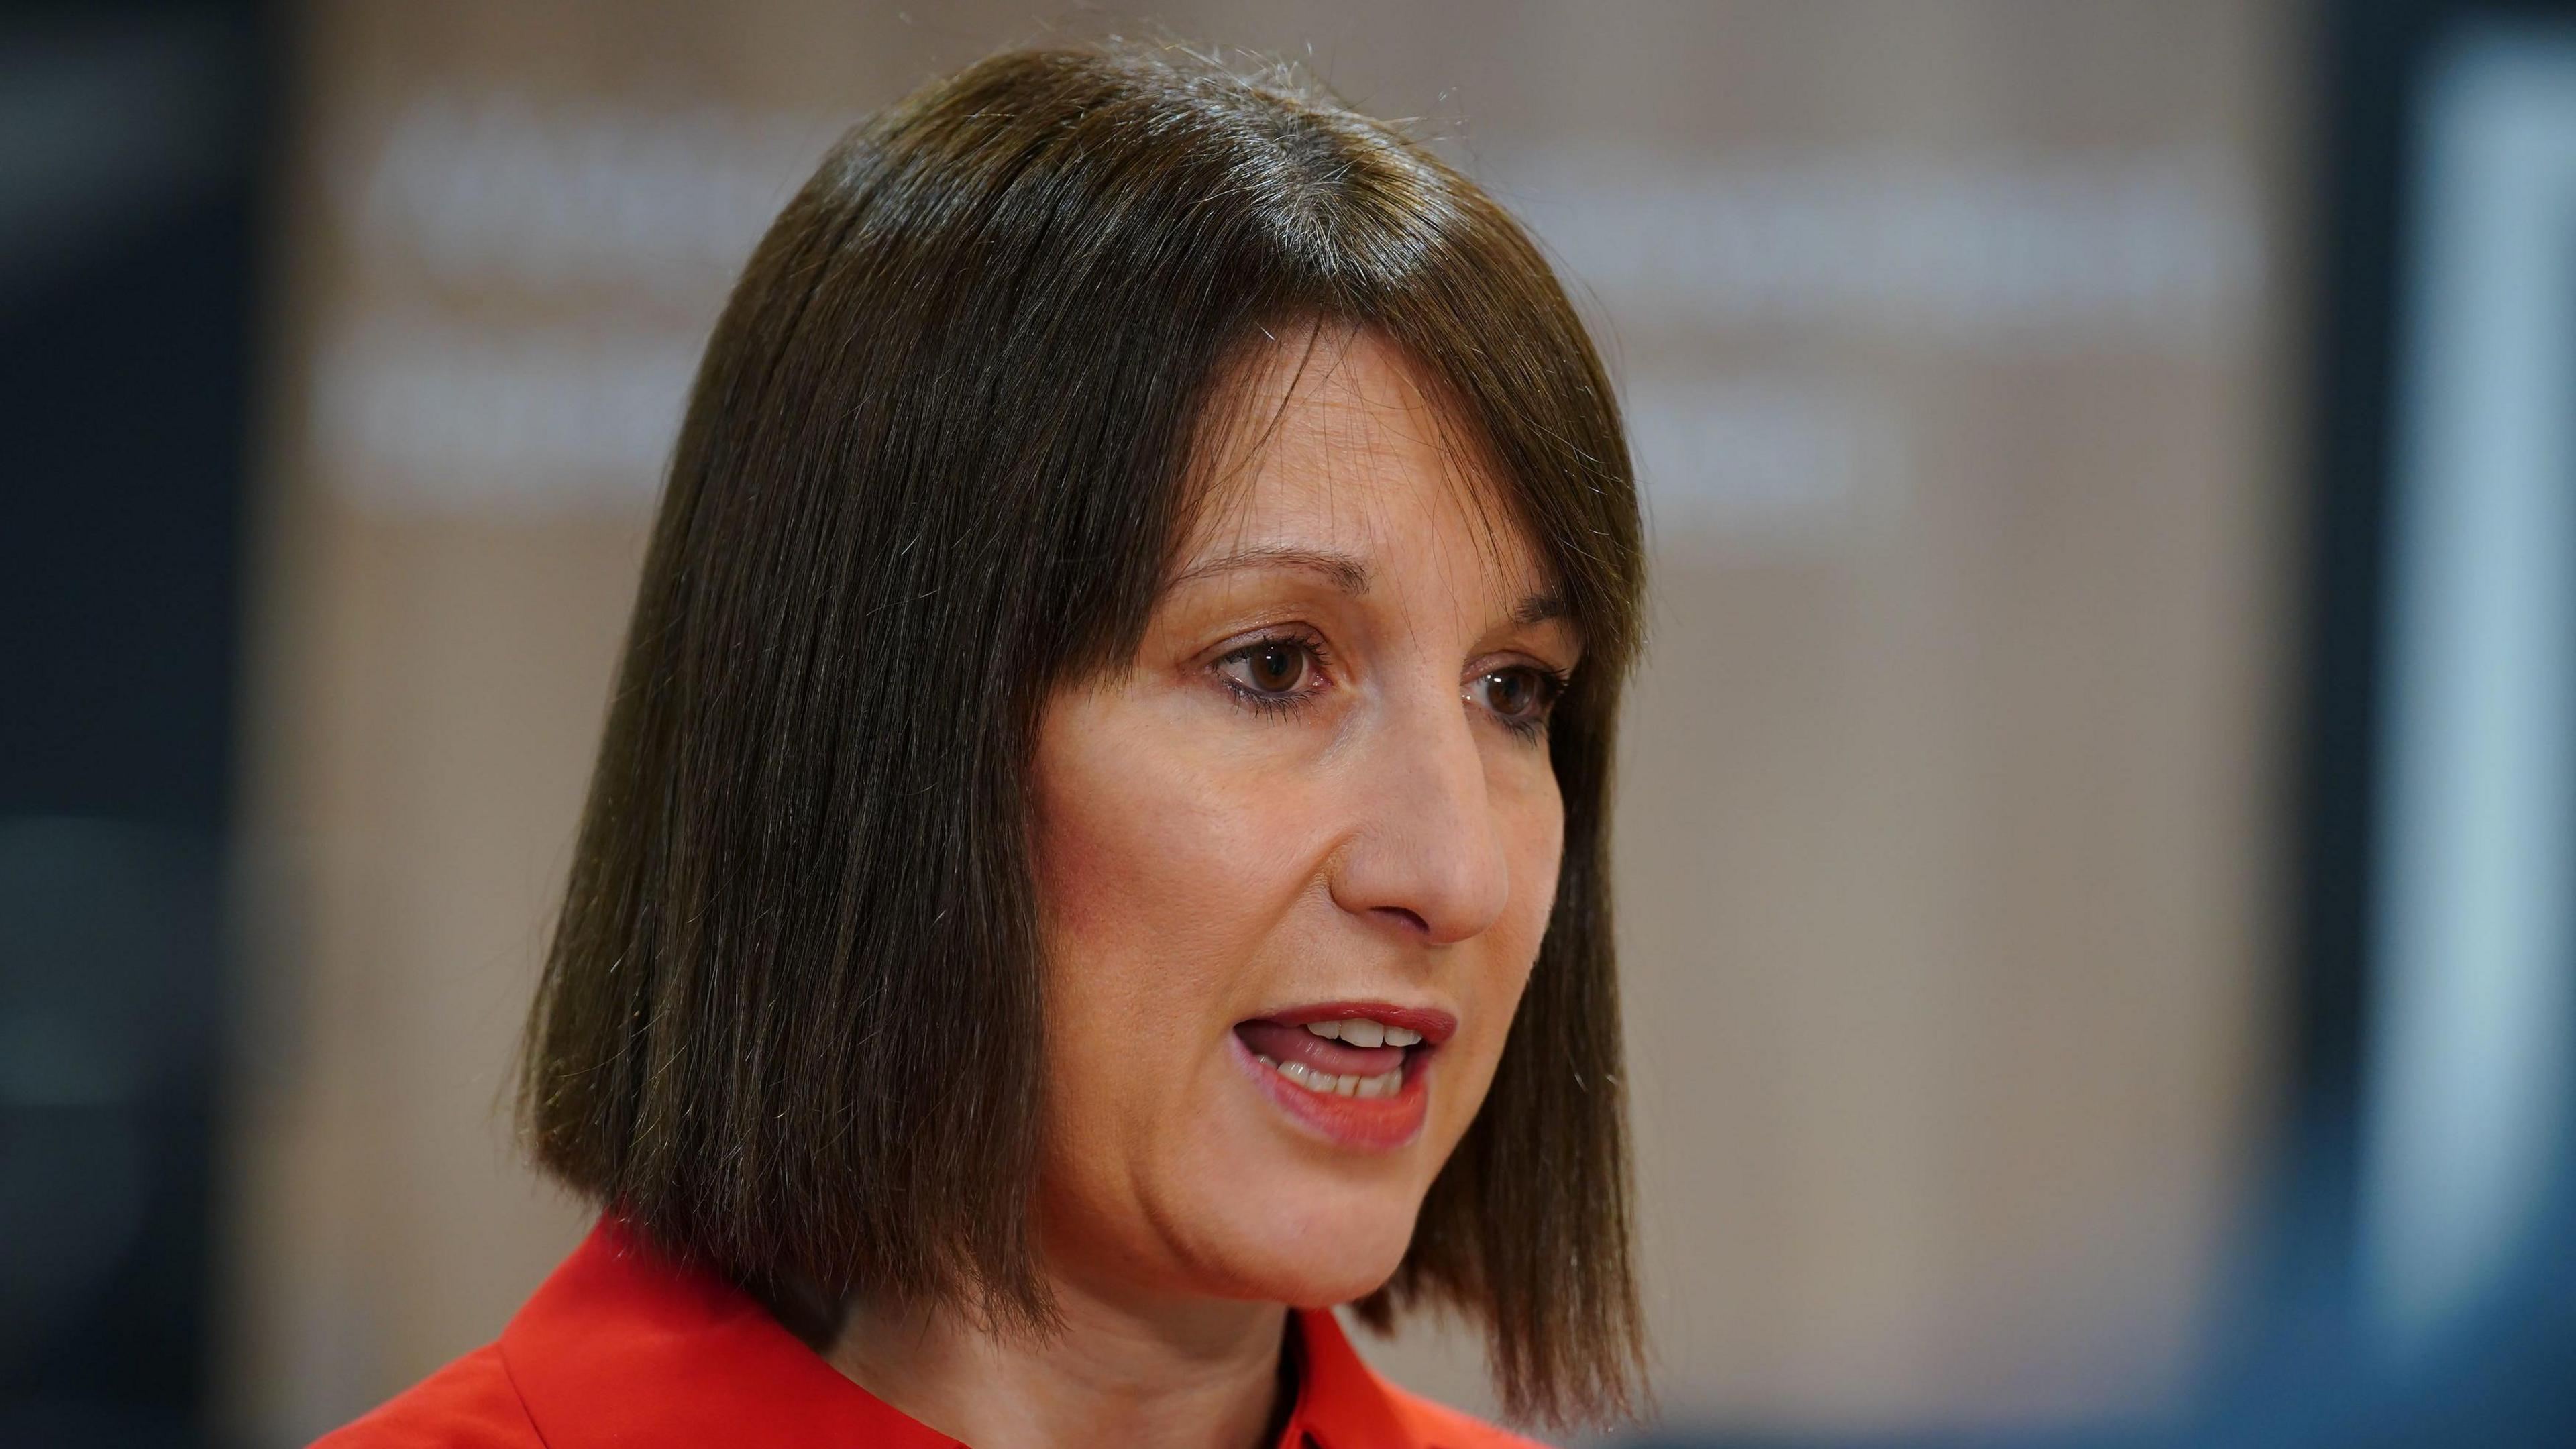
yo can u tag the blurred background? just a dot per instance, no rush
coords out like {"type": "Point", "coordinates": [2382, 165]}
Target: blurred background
{"type": "Point", "coordinates": [2098, 842]}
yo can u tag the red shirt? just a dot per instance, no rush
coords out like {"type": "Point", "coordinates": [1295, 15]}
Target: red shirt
{"type": "Point", "coordinates": [625, 1347]}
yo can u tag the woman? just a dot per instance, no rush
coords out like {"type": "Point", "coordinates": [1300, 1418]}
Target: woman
{"type": "Point", "coordinates": [1099, 852]}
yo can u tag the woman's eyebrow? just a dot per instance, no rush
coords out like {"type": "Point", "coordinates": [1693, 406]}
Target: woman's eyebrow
{"type": "Point", "coordinates": [1539, 608]}
{"type": "Point", "coordinates": [1350, 575]}
{"type": "Point", "coordinates": [1341, 570]}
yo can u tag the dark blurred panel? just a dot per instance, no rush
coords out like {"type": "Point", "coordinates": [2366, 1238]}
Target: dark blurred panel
{"type": "Point", "coordinates": [2418, 1282]}
{"type": "Point", "coordinates": [128, 206]}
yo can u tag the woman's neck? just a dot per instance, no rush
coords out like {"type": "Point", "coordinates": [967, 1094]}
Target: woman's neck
{"type": "Point", "coordinates": [1198, 1375]}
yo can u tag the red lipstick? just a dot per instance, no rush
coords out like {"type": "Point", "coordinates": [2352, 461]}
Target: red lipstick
{"type": "Point", "coordinates": [1367, 1124]}
{"type": "Point", "coordinates": [1435, 1025]}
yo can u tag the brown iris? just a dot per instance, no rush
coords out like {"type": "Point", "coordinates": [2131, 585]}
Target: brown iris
{"type": "Point", "coordinates": [1277, 665]}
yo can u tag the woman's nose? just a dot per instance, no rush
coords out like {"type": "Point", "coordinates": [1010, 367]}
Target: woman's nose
{"type": "Point", "coordinates": [1426, 852]}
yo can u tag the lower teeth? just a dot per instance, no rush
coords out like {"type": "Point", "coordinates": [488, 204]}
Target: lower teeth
{"type": "Point", "coordinates": [1384, 1084]}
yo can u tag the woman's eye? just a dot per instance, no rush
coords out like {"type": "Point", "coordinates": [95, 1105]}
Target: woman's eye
{"type": "Point", "coordinates": [1520, 697]}
{"type": "Point", "coordinates": [1273, 674]}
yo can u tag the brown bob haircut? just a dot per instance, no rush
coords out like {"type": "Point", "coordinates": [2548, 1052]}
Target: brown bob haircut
{"type": "Point", "coordinates": [935, 465]}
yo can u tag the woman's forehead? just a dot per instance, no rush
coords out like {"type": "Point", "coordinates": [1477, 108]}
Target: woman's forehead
{"type": "Point", "coordinates": [1333, 446]}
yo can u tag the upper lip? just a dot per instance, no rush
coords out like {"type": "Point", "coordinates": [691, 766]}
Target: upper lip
{"type": "Point", "coordinates": [1435, 1024]}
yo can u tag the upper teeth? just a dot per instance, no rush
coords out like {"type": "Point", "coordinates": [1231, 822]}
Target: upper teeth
{"type": "Point", "coordinates": [1360, 1031]}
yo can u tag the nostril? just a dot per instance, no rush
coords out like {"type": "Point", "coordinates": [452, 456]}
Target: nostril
{"type": "Point", "coordinates": [1407, 916]}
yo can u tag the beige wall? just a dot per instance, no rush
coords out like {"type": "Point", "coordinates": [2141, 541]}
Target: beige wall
{"type": "Point", "coordinates": [1953, 337]}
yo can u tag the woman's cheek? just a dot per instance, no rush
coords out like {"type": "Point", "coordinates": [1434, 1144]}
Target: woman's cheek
{"type": "Point", "coordinates": [1128, 831]}
{"type": "Point", "coordinates": [1516, 938]}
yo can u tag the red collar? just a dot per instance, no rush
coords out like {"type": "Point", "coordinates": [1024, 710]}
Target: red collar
{"type": "Point", "coordinates": [623, 1346]}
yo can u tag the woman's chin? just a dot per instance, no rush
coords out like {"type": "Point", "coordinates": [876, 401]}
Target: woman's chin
{"type": "Point", "coordinates": [1314, 1253]}
{"type": "Point", "coordinates": [1317, 1284]}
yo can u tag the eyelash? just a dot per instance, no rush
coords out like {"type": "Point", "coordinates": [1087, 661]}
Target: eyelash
{"type": "Point", "coordinates": [1552, 683]}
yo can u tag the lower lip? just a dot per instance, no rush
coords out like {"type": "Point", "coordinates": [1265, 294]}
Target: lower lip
{"type": "Point", "coordinates": [1363, 1124]}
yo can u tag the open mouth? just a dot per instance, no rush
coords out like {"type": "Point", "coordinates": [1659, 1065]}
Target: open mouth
{"type": "Point", "coordinates": [1354, 1071]}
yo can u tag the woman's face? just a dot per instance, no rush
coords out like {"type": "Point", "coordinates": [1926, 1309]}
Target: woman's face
{"type": "Point", "coordinates": [1320, 795]}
